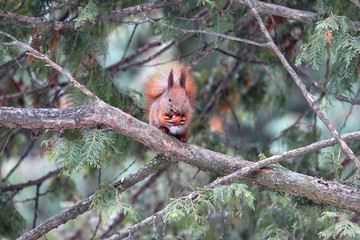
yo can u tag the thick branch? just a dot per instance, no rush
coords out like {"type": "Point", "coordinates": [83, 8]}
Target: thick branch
{"type": "Point", "coordinates": [317, 190]}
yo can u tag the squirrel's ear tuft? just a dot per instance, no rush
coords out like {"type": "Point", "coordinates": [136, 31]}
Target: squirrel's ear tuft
{"type": "Point", "coordinates": [183, 78]}
{"type": "Point", "coordinates": [171, 79]}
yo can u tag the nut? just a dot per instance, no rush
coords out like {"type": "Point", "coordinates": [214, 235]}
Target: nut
{"type": "Point", "coordinates": [176, 120]}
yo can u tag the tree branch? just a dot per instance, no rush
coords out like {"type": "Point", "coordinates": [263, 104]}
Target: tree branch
{"type": "Point", "coordinates": [309, 98]}
{"type": "Point", "coordinates": [278, 179]}
{"type": "Point", "coordinates": [278, 10]}
{"type": "Point", "coordinates": [206, 32]}
{"type": "Point", "coordinates": [31, 182]}
{"type": "Point", "coordinates": [58, 25]}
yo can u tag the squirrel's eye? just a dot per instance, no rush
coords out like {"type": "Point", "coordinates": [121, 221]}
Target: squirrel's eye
{"type": "Point", "coordinates": [169, 99]}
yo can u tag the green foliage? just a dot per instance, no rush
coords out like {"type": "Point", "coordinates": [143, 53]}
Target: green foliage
{"type": "Point", "coordinates": [12, 224]}
{"type": "Point", "coordinates": [262, 156]}
{"type": "Point", "coordinates": [342, 228]}
{"type": "Point", "coordinates": [272, 232]}
{"type": "Point", "coordinates": [329, 158]}
{"type": "Point", "coordinates": [222, 23]}
{"type": "Point", "coordinates": [336, 7]}
{"type": "Point", "coordinates": [193, 208]}
{"type": "Point", "coordinates": [209, 3]}
{"type": "Point", "coordinates": [93, 149]}
{"type": "Point", "coordinates": [108, 200]}
{"type": "Point", "coordinates": [337, 37]}
{"type": "Point", "coordinates": [278, 197]}
{"type": "Point", "coordinates": [38, 5]}
{"type": "Point", "coordinates": [88, 14]}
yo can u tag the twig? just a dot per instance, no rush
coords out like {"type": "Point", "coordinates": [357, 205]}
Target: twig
{"type": "Point", "coordinates": [31, 182]}
{"type": "Point", "coordinates": [188, 183]}
{"type": "Point", "coordinates": [323, 89]}
{"type": "Point", "coordinates": [205, 32]}
{"type": "Point", "coordinates": [11, 134]}
{"type": "Point", "coordinates": [23, 156]}
{"type": "Point", "coordinates": [4, 67]}
{"type": "Point", "coordinates": [131, 164]}
{"type": "Point", "coordinates": [247, 61]}
{"type": "Point", "coordinates": [154, 226]}
{"type": "Point", "coordinates": [350, 111]}
{"type": "Point", "coordinates": [28, 92]}
{"type": "Point", "coordinates": [36, 204]}
{"type": "Point", "coordinates": [224, 223]}
{"type": "Point", "coordinates": [243, 21]}
{"type": "Point", "coordinates": [34, 83]}
{"type": "Point", "coordinates": [213, 101]}
{"type": "Point", "coordinates": [285, 131]}
{"type": "Point", "coordinates": [128, 43]}
{"type": "Point", "coordinates": [96, 228]}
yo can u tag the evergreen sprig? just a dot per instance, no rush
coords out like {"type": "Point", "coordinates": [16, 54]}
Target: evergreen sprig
{"type": "Point", "coordinates": [88, 14]}
{"type": "Point", "coordinates": [342, 228]}
{"type": "Point", "coordinates": [194, 209]}
{"type": "Point", "coordinates": [108, 200]}
{"type": "Point", "coordinates": [92, 149]}
{"type": "Point", "coordinates": [336, 36]}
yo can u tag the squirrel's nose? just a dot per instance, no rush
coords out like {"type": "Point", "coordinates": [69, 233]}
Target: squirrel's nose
{"type": "Point", "coordinates": [176, 112]}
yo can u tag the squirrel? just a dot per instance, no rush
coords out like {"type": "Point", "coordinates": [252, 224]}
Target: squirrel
{"type": "Point", "coordinates": [170, 97]}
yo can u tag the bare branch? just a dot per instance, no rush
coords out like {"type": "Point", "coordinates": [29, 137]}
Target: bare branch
{"type": "Point", "coordinates": [278, 10]}
{"type": "Point", "coordinates": [31, 182]}
{"type": "Point", "coordinates": [208, 33]}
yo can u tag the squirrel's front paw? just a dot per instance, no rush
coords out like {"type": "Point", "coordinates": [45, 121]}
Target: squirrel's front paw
{"type": "Point", "coordinates": [168, 121]}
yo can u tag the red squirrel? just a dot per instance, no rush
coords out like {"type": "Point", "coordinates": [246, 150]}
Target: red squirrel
{"type": "Point", "coordinates": [170, 97]}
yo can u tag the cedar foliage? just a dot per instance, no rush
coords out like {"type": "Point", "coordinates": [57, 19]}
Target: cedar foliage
{"type": "Point", "coordinates": [238, 124]}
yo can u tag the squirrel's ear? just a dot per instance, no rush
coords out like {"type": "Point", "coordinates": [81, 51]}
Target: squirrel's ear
{"type": "Point", "coordinates": [171, 79]}
{"type": "Point", "coordinates": [183, 78]}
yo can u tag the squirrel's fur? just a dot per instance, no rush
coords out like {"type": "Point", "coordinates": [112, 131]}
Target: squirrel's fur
{"type": "Point", "coordinates": [170, 95]}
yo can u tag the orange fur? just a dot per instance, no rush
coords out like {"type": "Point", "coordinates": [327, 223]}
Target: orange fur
{"type": "Point", "coordinates": [158, 108]}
